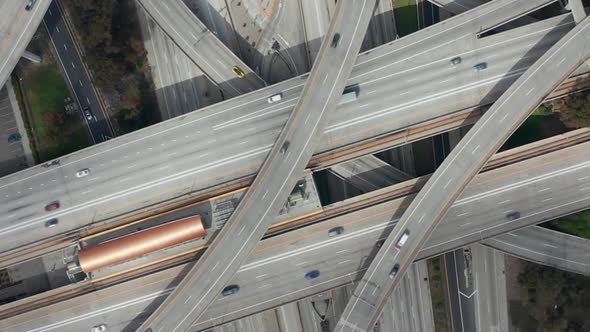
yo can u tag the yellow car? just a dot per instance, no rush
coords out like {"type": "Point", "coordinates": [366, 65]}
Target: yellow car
{"type": "Point", "coordinates": [239, 72]}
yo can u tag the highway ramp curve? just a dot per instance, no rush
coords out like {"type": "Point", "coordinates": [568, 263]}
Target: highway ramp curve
{"type": "Point", "coordinates": [278, 175]}
{"type": "Point", "coordinates": [458, 169]}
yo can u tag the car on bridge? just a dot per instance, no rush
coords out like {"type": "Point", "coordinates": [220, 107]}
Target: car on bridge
{"type": "Point", "coordinates": [238, 71]}
{"type": "Point", "coordinates": [480, 66]}
{"type": "Point", "coordinates": [402, 239]}
{"type": "Point", "coordinates": [230, 290]}
{"type": "Point", "coordinates": [312, 275]}
{"type": "Point", "coordinates": [394, 271]}
{"type": "Point", "coordinates": [52, 206]}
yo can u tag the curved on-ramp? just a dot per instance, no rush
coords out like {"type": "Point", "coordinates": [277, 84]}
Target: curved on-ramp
{"type": "Point", "coordinates": [462, 164]}
{"type": "Point", "coordinates": [276, 178]}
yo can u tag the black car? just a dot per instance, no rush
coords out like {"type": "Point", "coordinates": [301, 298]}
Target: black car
{"type": "Point", "coordinates": [336, 40]}
{"type": "Point", "coordinates": [394, 271]}
{"type": "Point", "coordinates": [229, 290]}
{"type": "Point", "coordinates": [513, 215]}
{"type": "Point", "coordinates": [30, 4]}
{"type": "Point", "coordinates": [285, 147]}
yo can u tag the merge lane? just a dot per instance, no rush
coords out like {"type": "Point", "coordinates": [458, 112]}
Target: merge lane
{"type": "Point", "coordinates": [459, 168]}
{"type": "Point", "coordinates": [279, 173]}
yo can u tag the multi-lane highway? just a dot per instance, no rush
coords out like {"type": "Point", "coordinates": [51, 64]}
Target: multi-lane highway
{"type": "Point", "coordinates": [547, 247]}
{"type": "Point", "coordinates": [17, 27]}
{"type": "Point", "coordinates": [76, 75]}
{"type": "Point", "coordinates": [214, 59]}
{"type": "Point", "coordinates": [477, 215]}
{"type": "Point", "coordinates": [278, 175]}
{"type": "Point", "coordinates": [229, 140]}
{"type": "Point", "coordinates": [445, 185]}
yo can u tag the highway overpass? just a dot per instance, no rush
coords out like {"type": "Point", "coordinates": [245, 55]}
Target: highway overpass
{"type": "Point", "coordinates": [474, 217]}
{"type": "Point", "coordinates": [213, 58]}
{"type": "Point", "coordinates": [17, 27]}
{"type": "Point", "coordinates": [463, 163]}
{"type": "Point", "coordinates": [234, 137]}
{"type": "Point", "coordinates": [546, 247]}
{"type": "Point", "coordinates": [277, 176]}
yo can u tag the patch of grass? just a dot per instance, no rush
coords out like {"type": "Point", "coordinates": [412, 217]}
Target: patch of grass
{"type": "Point", "coordinates": [59, 133]}
{"type": "Point", "coordinates": [577, 224]}
{"type": "Point", "coordinates": [406, 17]}
{"type": "Point", "coordinates": [438, 293]}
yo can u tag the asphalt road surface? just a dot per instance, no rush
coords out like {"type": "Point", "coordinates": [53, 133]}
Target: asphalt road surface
{"type": "Point", "coordinates": [273, 274]}
{"type": "Point", "coordinates": [203, 47]}
{"type": "Point", "coordinates": [76, 75]}
{"type": "Point", "coordinates": [277, 177]}
{"type": "Point", "coordinates": [230, 140]}
{"type": "Point", "coordinates": [17, 27]}
{"type": "Point", "coordinates": [547, 247]}
{"type": "Point", "coordinates": [462, 164]}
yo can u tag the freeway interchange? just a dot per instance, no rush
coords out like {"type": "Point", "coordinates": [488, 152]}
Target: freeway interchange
{"type": "Point", "coordinates": [558, 43]}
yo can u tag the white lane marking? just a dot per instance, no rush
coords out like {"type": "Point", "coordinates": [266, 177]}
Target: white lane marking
{"type": "Point", "coordinates": [131, 166]}
{"type": "Point", "coordinates": [203, 155]}
{"type": "Point", "coordinates": [215, 266]}
{"type": "Point", "coordinates": [422, 218]}
{"type": "Point", "coordinates": [583, 178]}
{"type": "Point", "coordinates": [448, 182]}
{"type": "Point", "coordinates": [50, 13]}
{"type": "Point", "coordinates": [164, 167]}
{"type": "Point", "coordinates": [542, 190]}
{"type": "Point", "coordinates": [65, 47]}
{"type": "Point", "coordinates": [528, 93]}
{"type": "Point", "coordinates": [512, 234]}
{"type": "Point", "coordinates": [341, 251]}
{"type": "Point", "coordinates": [404, 93]}
{"type": "Point", "coordinates": [371, 92]}
{"type": "Point", "coordinates": [299, 264]}
{"type": "Point", "coordinates": [80, 82]}
{"type": "Point", "coordinates": [504, 117]}
{"type": "Point", "coordinates": [465, 224]}
{"type": "Point", "coordinates": [265, 193]}
{"type": "Point", "coordinates": [56, 28]}
{"type": "Point", "coordinates": [241, 230]}
{"type": "Point", "coordinates": [307, 118]}
{"type": "Point", "coordinates": [188, 299]}
{"type": "Point", "coordinates": [549, 245]}
{"type": "Point", "coordinates": [504, 202]}
{"type": "Point", "coordinates": [474, 150]}
{"type": "Point", "coordinates": [172, 154]}
{"type": "Point", "coordinates": [73, 66]}
{"type": "Point", "coordinates": [344, 262]}
{"type": "Point", "coordinates": [243, 142]}
{"type": "Point", "coordinates": [365, 105]}
{"type": "Point", "coordinates": [264, 286]}
{"type": "Point", "coordinates": [560, 62]}
{"type": "Point", "coordinates": [463, 214]}
{"type": "Point", "coordinates": [546, 200]}
{"type": "Point", "coordinates": [86, 192]}
{"type": "Point", "coordinates": [88, 100]}
{"type": "Point", "coordinates": [261, 276]}
{"type": "Point", "coordinates": [585, 188]}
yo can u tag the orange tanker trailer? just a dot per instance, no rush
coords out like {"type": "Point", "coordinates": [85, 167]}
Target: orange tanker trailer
{"type": "Point", "coordinates": [141, 243]}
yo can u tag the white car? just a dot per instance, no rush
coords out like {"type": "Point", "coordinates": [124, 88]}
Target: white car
{"type": "Point", "coordinates": [275, 98]}
{"type": "Point", "coordinates": [99, 328]}
{"type": "Point", "coordinates": [402, 239]}
{"type": "Point", "coordinates": [82, 173]}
